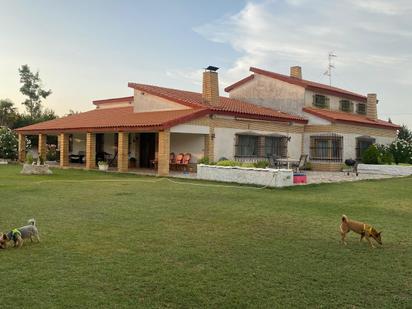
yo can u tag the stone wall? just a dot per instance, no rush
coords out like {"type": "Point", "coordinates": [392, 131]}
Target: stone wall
{"type": "Point", "coordinates": [254, 176]}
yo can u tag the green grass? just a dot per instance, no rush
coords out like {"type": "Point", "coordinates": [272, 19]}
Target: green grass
{"type": "Point", "coordinates": [133, 242]}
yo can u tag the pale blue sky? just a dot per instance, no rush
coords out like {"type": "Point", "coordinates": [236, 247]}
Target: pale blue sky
{"type": "Point", "coordinates": [88, 50]}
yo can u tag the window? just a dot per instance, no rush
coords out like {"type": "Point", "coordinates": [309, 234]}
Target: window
{"type": "Point", "coordinates": [276, 146]}
{"type": "Point", "coordinates": [320, 101]}
{"type": "Point", "coordinates": [246, 145]}
{"type": "Point", "coordinates": [361, 109]}
{"type": "Point", "coordinates": [326, 148]}
{"type": "Point", "coordinates": [346, 106]}
{"type": "Point", "coordinates": [363, 143]}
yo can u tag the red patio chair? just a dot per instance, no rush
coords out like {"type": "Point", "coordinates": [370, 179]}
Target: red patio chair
{"type": "Point", "coordinates": [185, 161]}
{"type": "Point", "coordinates": [177, 161]}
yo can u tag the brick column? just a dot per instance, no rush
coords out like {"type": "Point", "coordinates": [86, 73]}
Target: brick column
{"type": "Point", "coordinates": [90, 150]}
{"type": "Point", "coordinates": [22, 147]}
{"type": "Point", "coordinates": [64, 149]}
{"type": "Point", "coordinates": [123, 152]}
{"type": "Point", "coordinates": [164, 153]}
{"type": "Point", "coordinates": [210, 144]}
{"type": "Point", "coordinates": [42, 146]}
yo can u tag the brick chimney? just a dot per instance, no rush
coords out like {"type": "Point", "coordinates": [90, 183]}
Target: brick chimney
{"type": "Point", "coordinates": [210, 92]}
{"type": "Point", "coordinates": [296, 72]}
{"type": "Point", "coordinates": [371, 108]}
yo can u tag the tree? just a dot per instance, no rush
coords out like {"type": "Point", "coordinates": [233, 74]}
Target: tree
{"type": "Point", "coordinates": [405, 134]}
{"type": "Point", "coordinates": [32, 88]}
{"type": "Point", "coordinates": [8, 113]}
{"type": "Point", "coordinates": [72, 112]}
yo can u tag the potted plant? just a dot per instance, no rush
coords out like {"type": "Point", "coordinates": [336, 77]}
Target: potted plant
{"type": "Point", "coordinates": [103, 165]}
{"type": "Point", "coordinates": [51, 154]}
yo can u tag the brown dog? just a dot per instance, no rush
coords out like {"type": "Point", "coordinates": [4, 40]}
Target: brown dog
{"type": "Point", "coordinates": [364, 229]}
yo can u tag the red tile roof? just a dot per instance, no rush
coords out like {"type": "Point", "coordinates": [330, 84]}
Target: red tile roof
{"type": "Point", "coordinates": [226, 105]}
{"type": "Point", "coordinates": [123, 118]}
{"type": "Point", "coordinates": [307, 84]}
{"type": "Point", "coordinates": [115, 100]}
{"type": "Point", "coordinates": [114, 119]}
{"type": "Point", "coordinates": [349, 118]}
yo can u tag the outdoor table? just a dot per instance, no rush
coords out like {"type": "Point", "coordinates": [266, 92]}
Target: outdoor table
{"type": "Point", "coordinates": [286, 161]}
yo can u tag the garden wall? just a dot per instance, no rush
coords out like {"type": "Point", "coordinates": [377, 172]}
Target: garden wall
{"type": "Point", "coordinates": [395, 170]}
{"type": "Point", "coordinates": [255, 176]}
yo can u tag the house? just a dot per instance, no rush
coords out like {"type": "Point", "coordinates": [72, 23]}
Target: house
{"type": "Point", "coordinates": [266, 114]}
{"type": "Point", "coordinates": [341, 124]}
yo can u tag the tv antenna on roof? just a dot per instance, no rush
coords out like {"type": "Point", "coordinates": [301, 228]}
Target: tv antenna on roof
{"type": "Point", "coordinates": [330, 66]}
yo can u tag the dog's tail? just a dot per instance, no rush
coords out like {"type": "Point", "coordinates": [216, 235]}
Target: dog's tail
{"type": "Point", "coordinates": [32, 222]}
{"type": "Point", "coordinates": [344, 218]}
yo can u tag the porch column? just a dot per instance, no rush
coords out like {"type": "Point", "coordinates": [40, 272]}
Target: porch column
{"type": "Point", "coordinates": [22, 147]}
{"type": "Point", "coordinates": [210, 145]}
{"type": "Point", "coordinates": [123, 152]}
{"type": "Point", "coordinates": [90, 150]}
{"type": "Point", "coordinates": [64, 149]}
{"type": "Point", "coordinates": [163, 153]}
{"type": "Point", "coordinates": [42, 146]}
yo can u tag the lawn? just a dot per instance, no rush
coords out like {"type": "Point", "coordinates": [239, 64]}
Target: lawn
{"type": "Point", "coordinates": [115, 241]}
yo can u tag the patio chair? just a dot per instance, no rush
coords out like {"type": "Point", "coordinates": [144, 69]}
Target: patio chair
{"type": "Point", "coordinates": [153, 163]}
{"type": "Point", "coordinates": [301, 164]}
{"type": "Point", "coordinates": [177, 161]}
{"type": "Point", "coordinates": [272, 162]}
{"type": "Point", "coordinates": [185, 161]}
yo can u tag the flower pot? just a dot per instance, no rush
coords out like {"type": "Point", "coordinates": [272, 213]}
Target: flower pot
{"type": "Point", "coordinates": [103, 167]}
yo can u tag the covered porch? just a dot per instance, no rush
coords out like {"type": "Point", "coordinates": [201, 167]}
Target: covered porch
{"type": "Point", "coordinates": [143, 152]}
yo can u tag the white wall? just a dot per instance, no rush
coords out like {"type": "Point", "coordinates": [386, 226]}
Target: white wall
{"type": "Point", "coordinates": [148, 103]}
{"type": "Point", "coordinates": [313, 120]}
{"type": "Point", "coordinates": [272, 93]}
{"type": "Point", "coordinates": [79, 143]}
{"type": "Point", "coordinates": [192, 143]}
{"type": "Point", "coordinates": [225, 140]}
{"type": "Point", "coordinates": [113, 105]}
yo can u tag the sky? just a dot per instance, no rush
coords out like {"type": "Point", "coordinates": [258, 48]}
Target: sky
{"type": "Point", "coordinates": [90, 49]}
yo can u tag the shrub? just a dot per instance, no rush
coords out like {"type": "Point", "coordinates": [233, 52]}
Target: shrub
{"type": "Point", "coordinates": [228, 163]}
{"type": "Point", "coordinates": [377, 154]}
{"type": "Point", "coordinates": [402, 151]}
{"type": "Point", "coordinates": [204, 160]}
{"type": "Point", "coordinates": [308, 166]}
{"type": "Point", "coordinates": [29, 158]}
{"type": "Point", "coordinates": [51, 154]}
{"type": "Point", "coordinates": [371, 155]}
{"type": "Point", "coordinates": [385, 154]}
{"type": "Point", "coordinates": [247, 164]}
{"type": "Point", "coordinates": [8, 144]}
{"type": "Point", "coordinates": [262, 164]}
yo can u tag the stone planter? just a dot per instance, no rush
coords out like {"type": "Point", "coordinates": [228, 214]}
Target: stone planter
{"type": "Point", "coordinates": [395, 170]}
{"type": "Point", "coordinates": [103, 167]}
{"type": "Point", "coordinates": [29, 169]}
{"type": "Point", "coordinates": [255, 176]}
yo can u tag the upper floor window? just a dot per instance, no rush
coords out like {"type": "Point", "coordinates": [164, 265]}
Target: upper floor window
{"type": "Point", "coordinates": [361, 109]}
{"type": "Point", "coordinates": [320, 101]}
{"type": "Point", "coordinates": [346, 106]}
